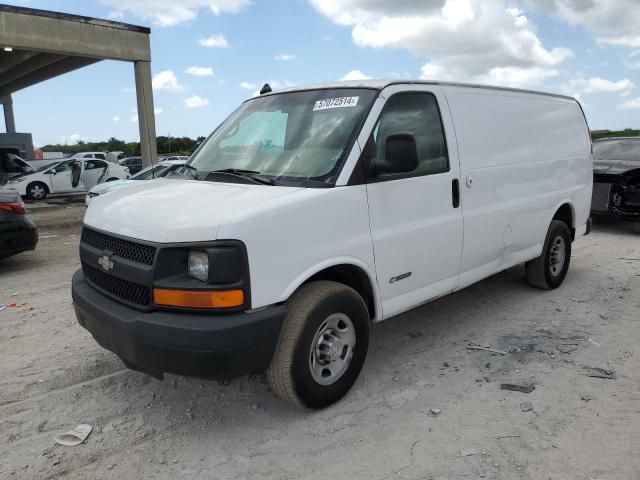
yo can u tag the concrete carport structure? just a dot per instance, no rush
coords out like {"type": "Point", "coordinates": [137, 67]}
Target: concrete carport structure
{"type": "Point", "coordinates": [36, 45]}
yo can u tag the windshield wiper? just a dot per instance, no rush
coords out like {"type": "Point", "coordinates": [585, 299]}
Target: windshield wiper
{"type": "Point", "coordinates": [252, 174]}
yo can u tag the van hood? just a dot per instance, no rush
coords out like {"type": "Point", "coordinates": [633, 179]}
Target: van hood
{"type": "Point", "coordinates": [176, 210]}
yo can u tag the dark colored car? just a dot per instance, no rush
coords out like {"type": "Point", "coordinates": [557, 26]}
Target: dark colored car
{"type": "Point", "coordinates": [12, 166]}
{"type": "Point", "coordinates": [134, 164]}
{"type": "Point", "coordinates": [616, 178]}
{"type": "Point", "coordinates": [17, 232]}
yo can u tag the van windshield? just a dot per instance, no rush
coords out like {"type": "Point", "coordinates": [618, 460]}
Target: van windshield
{"type": "Point", "coordinates": [297, 138]}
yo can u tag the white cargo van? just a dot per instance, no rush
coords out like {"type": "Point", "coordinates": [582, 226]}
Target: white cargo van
{"type": "Point", "coordinates": [312, 212]}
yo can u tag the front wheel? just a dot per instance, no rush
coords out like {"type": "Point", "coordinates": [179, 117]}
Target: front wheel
{"type": "Point", "coordinates": [322, 345]}
{"type": "Point", "coordinates": [37, 191]}
{"type": "Point", "coordinates": [550, 268]}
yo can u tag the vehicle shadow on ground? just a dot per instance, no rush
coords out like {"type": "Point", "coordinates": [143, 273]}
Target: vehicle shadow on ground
{"type": "Point", "coordinates": [610, 224]}
{"type": "Point", "coordinates": [17, 263]}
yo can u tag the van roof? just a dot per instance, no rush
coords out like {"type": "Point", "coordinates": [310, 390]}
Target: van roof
{"type": "Point", "coordinates": [379, 84]}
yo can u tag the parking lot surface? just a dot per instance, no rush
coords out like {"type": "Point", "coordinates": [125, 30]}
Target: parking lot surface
{"type": "Point", "coordinates": [425, 407]}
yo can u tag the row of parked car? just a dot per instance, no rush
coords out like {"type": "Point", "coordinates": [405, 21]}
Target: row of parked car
{"type": "Point", "coordinates": [77, 174]}
{"type": "Point", "coordinates": [19, 234]}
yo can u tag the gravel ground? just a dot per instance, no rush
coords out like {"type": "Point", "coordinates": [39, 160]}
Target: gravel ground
{"type": "Point", "coordinates": [425, 406]}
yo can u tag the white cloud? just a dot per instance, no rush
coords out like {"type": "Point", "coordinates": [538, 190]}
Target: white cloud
{"type": "Point", "coordinates": [601, 85]}
{"type": "Point", "coordinates": [613, 22]}
{"type": "Point", "coordinates": [171, 12]}
{"type": "Point", "coordinates": [631, 104]}
{"type": "Point", "coordinates": [285, 57]}
{"type": "Point", "coordinates": [167, 80]}
{"type": "Point", "coordinates": [200, 71]}
{"type": "Point", "coordinates": [355, 75]}
{"type": "Point", "coordinates": [248, 85]}
{"type": "Point", "coordinates": [196, 102]}
{"type": "Point", "coordinates": [116, 119]}
{"type": "Point", "coordinates": [464, 40]}
{"type": "Point", "coordinates": [214, 41]}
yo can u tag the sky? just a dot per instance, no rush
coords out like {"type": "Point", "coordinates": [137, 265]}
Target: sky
{"type": "Point", "coordinates": [210, 55]}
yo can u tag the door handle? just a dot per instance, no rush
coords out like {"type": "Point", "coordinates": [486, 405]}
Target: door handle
{"type": "Point", "coordinates": [455, 193]}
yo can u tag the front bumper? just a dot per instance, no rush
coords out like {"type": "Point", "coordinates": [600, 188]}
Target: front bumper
{"type": "Point", "coordinates": [193, 344]}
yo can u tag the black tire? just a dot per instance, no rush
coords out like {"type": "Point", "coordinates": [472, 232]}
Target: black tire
{"type": "Point", "coordinates": [290, 373]}
{"type": "Point", "coordinates": [37, 191]}
{"type": "Point", "coordinates": [636, 226]}
{"type": "Point", "coordinates": [543, 272]}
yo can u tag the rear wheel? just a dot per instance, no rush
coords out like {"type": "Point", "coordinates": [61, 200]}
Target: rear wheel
{"type": "Point", "coordinates": [322, 346]}
{"type": "Point", "coordinates": [550, 268]}
{"type": "Point", "coordinates": [37, 191]}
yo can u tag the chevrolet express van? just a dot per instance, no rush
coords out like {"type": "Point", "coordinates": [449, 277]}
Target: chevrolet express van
{"type": "Point", "coordinates": [311, 213]}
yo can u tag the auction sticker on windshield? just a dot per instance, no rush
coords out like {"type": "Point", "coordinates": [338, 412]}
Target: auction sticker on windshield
{"type": "Point", "coordinates": [339, 102]}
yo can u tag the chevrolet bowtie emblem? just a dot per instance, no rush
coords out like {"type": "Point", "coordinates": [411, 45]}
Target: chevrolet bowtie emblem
{"type": "Point", "coordinates": [105, 262]}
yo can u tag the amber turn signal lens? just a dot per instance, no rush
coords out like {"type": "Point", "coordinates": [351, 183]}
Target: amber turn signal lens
{"type": "Point", "coordinates": [198, 299]}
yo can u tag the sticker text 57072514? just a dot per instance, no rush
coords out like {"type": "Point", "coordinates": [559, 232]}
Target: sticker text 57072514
{"type": "Point", "coordinates": [339, 102]}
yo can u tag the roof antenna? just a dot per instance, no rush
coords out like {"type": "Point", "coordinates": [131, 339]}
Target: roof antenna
{"type": "Point", "coordinates": [265, 89]}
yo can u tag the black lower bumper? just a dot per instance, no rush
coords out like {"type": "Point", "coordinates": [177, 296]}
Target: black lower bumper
{"type": "Point", "coordinates": [193, 344]}
{"type": "Point", "coordinates": [17, 237]}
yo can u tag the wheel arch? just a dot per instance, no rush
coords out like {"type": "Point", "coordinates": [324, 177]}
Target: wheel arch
{"type": "Point", "coordinates": [565, 212]}
{"type": "Point", "coordinates": [348, 271]}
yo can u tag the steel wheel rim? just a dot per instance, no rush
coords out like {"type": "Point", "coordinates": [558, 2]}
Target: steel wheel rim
{"type": "Point", "coordinates": [558, 256]}
{"type": "Point", "coordinates": [37, 192]}
{"type": "Point", "coordinates": [332, 349]}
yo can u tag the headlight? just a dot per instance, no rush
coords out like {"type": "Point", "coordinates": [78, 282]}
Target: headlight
{"type": "Point", "coordinates": [199, 265]}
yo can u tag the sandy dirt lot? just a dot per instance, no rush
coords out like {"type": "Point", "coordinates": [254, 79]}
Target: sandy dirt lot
{"type": "Point", "coordinates": [425, 406]}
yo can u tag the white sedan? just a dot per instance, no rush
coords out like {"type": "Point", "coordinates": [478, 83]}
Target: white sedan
{"type": "Point", "coordinates": [66, 177]}
{"type": "Point", "coordinates": [155, 171]}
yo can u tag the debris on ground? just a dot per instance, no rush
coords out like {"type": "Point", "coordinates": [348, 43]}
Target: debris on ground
{"type": "Point", "coordinates": [585, 397]}
{"type": "Point", "coordinates": [4, 306]}
{"type": "Point", "coordinates": [436, 411]}
{"type": "Point", "coordinates": [524, 388]}
{"type": "Point", "coordinates": [567, 347]}
{"type": "Point", "coordinates": [597, 372]}
{"type": "Point", "coordinates": [526, 406]}
{"type": "Point", "coordinates": [594, 342]}
{"type": "Point", "coordinates": [467, 452]}
{"type": "Point", "coordinates": [485, 348]}
{"type": "Point", "coordinates": [74, 437]}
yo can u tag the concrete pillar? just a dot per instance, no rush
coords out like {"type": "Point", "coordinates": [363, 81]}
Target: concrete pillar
{"type": "Point", "coordinates": [146, 116]}
{"type": "Point", "coordinates": [9, 120]}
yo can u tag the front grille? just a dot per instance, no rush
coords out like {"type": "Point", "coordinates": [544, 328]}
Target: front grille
{"type": "Point", "coordinates": [135, 252]}
{"type": "Point", "coordinates": [122, 289]}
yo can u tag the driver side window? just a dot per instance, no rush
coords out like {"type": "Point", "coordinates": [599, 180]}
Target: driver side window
{"type": "Point", "coordinates": [418, 114]}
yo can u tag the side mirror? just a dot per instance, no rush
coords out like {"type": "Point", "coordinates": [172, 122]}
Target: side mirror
{"type": "Point", "coordinates": [53, 172]}
{"type": "Point", "coordinates": [401, 154]}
